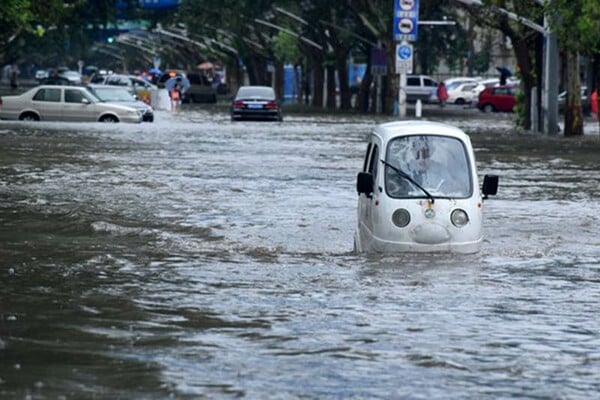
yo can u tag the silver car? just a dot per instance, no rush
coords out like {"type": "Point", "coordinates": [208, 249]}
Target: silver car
{"type": "Point", "coordinates": [120, 95]}
{"type": "Point", "coordinates": [64, 103]}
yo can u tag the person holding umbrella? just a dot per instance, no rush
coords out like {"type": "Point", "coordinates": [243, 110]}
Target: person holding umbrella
{"type": "Point", "coordinates": [176, 87]}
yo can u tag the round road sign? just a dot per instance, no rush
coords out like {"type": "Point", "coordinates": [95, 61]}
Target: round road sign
{"type": "Point", "coordinates": [407, 5]}
{"type": "Point", "coordinates": [406, 25]}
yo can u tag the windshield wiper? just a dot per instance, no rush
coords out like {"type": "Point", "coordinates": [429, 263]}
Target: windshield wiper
{"type": "Point", "coordinates": [410, 179]}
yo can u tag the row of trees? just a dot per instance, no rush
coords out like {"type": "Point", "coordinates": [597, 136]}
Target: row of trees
{"type": "Point", "coordinates": [316, 35]}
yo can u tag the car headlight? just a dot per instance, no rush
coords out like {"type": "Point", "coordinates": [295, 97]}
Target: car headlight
{"type": "Point", "coordinates": [459, 218]}
{"type": "Point", "coordinates": [401, 217]}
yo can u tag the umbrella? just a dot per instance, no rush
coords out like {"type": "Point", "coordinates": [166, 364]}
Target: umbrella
{"type": "Point", "coordinates": [205, 65]}
{"type": "Point", "coordinates": [170, 83]}
{"type": "Point", "coordinates": [504, 71]}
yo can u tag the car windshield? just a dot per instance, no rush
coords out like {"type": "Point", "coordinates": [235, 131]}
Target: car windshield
{"type": "Point", "coordinates": [256, 93]}
{"type": "Point", "coordinates": [112, 94]}
{"type": "Point", "coordinates": [440, 164]}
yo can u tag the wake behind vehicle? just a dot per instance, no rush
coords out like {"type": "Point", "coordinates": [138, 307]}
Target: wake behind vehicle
{"type": "Point", "coordinates": [419, 192]}
{"type": "Point", "coordinates": [64, 103]}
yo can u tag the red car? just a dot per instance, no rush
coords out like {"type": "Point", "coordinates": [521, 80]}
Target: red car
{"type": "Point", "coordinates": [498, 98]}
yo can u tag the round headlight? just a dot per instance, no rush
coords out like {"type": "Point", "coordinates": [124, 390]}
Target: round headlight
{"type": "Point", "coordinates": [401, 218]}
{"type": "Point", "coordinates": [459, 218]}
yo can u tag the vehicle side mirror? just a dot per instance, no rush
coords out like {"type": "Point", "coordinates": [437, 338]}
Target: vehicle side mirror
{"type": "Point", "coordinates": [490, 186]}
{"type": "Point", "coordinates": [364, 183]}
{"type": "Point", "coordinates": [85, 101]}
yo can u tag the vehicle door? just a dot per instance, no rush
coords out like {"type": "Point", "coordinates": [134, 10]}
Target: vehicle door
{"type": "Point", "coordinates": [366, 201]}
{"type": "Point", "coordinates": [504, 98]}
{"type": "Point", "coordinates": [429, 88]}
{"type": "Point", "coordinates": [47, 102]}
{"type": "Point", "coordinates": [413, 88]}
{"type": "Point", "coordinates": [77, 106]}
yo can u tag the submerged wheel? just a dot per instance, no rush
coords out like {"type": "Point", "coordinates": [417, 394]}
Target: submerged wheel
{"type": "Point", "coordinates": [109, 119]}
{"type": "Point", "coordinates": [488, 108]}
{"type": "Point", "coordinates": [29, 116]}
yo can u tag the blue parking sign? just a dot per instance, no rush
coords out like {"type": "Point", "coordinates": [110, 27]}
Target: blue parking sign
{"type": "Point", "coordinates": [406, 20]}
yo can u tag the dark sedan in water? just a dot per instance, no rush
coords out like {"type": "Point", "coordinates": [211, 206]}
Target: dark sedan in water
{"type": "Point", "coordinates": [256, 103]}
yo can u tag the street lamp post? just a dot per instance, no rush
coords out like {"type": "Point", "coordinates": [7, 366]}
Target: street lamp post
{"type": "Point", "coordinates": [550, 67]}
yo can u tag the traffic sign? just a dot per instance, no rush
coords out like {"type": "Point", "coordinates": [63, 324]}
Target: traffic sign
{"type": "Point", "coordinates": [406, 20]}
{"type": "Point", "coordinates": [404, 58]}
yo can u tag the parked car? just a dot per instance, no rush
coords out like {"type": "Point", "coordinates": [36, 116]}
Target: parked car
{"type": "Point", "coordinates": [201, 90]}
{"type": "Point", "coordinates": [419, 190]}
{"type": "Point", "coordinates": [72, 76]}
{"type": "Point", "coordinates": [498, 98]}
{"type": "Point", "coordinates": [64, 103]}
{"type": "Point", "coordinates": [256, 102]}
{"type": "Point", "coordinates": [41, 74]}
{"type": "Point", "coordinates": [484, 83]}
{"type": "Point", "coordinates": [461, 92]}
{"type": "Point", "coordinates": [421, 87]}
{"type": "Point", "coordinates": [137, 86]}
{"type": "Point", "coordinates": [451, 82]}
{"type": "Point", "coordinates": [120, 95]}
{"type": "Point", "coordinates": [585, 101]}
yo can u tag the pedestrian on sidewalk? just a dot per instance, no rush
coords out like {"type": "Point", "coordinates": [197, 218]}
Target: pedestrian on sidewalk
{"type": "Point", "coordinates": [442, 94]}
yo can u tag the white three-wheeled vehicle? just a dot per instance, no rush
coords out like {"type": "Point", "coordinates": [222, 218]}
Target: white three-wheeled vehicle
{"type": "Point", "coordinates": [418, 190]}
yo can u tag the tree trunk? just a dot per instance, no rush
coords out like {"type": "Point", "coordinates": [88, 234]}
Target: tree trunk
{"type": "Point", "coordinates": [573, 111]}
{"type": "Point", "coordinates": [363, 96]}
{"type": "Point", "coordinates": [331, 95]}
{"type": "Point", "coordinates": [279, 77]}
{"type": "Point", "coordinates": [391, 84]}
{"type": "Point", "coordinates": [528, 79]}
{"type": "Point", "coordinates": [342, 69]}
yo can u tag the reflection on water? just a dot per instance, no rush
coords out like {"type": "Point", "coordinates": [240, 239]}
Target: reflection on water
{"type": "Point", "coordinates": [194, 257]}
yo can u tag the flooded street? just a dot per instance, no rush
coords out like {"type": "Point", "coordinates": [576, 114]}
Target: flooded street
{"type": "Point", "coordinates": [199, 258]}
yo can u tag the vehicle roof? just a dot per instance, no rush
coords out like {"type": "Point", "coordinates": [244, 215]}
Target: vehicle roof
{"type": "Point", "coordinates": [107, 87]}
{"type": "Point", "coordinates": [393, 129]}
{"type": "Point", "coordinates": [57, 87]}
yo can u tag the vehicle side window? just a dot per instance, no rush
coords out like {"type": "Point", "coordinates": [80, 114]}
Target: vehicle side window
{"type": "Point", "coordinates": [367, 157]}
{"type": "Point", "coordinates": [374, 163]}
{"type": "Point", "coordinates": [73, 96]}
{"type": "Point", "coordinates": [429, 82]}
{"type": "Point", "coordinates": [47, 95]}
{"type": "Point", "coordinates": [413, 81]}
{"type": "Point", "coordinates": [137, 82]}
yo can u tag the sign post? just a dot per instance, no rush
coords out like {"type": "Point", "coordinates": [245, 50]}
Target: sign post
{"type": "Point", "coordinates": [406, 22]}
{"type": "Point", "coordinates": [404, 65]}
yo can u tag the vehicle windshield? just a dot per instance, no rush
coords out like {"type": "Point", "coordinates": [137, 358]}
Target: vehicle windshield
{"type": "Point", "coordinates": [256, 92]}
{"type": "Point", "coordinates": [111, 94]}
{"type": "Point", "coordinates": [440, 164]}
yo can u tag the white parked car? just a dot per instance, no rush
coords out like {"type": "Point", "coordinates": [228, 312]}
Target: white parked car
{"type": "Point", "coordinates": [41, 74]}
{"type": "Point", "coordinates": [419, 191]}
{"type": "Point", "coordinates": [451, 82]}
{"type": "Point", "coordinates": [461, 93]}
{"type": "Point", "coordinates": [64, 103]}
{"type": "Point", "coordinates": [72, 76]}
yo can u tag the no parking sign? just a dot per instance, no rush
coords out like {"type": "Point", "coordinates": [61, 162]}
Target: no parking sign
{"type": "Point", "coordinates": [406, 20]}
